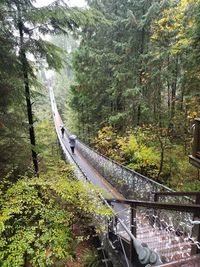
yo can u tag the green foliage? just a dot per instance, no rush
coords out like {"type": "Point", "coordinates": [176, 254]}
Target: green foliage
{"type": "Point", "coordinates": [129, 150]}
{"type": "Point", "coordinates": [139, 156]}
{"type": "Point", "coordinates": [106, 142]}
{"type": "Point", "coordinates": [152, 152]}
{"type": "Point", "coordinates": [37, 217]}
{"type": "Point", "coordinates": [145, 161]}
{"type": "Point", "coordinates": [91, 258]}
{"type": "Point", "coordinates": [39, 226]}
{"type": "Point", "coordinates": [191, 186]}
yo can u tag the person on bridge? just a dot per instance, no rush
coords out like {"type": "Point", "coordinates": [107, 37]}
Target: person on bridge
{"type": "Point", "coordinates": [62, 131]}
{"type": "Point", "coordinates": [72, 142]}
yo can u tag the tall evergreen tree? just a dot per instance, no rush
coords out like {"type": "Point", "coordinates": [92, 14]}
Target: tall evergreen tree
{"type": "Point", "coordinates": [27, 24]}
{"type": "Point", "coordinates": [13, 145]}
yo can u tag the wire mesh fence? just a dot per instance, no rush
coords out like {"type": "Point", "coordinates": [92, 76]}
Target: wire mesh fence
{"type": "Point", "coordinates": [129, 183]}
{"type": "Point", "coordinates": [160, 232]}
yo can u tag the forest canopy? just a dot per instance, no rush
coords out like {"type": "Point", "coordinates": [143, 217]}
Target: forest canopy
{"type": "Point", "coordinates": [139, 75]}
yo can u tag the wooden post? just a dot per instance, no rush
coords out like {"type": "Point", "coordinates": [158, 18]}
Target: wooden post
{"type": "Point", "coordinates": [194, 159]}
{"type": "Point", "coordinates": [196, 228]}
{"type": "Point", "coordinates": [196, 142]}
{"type": "Point", "coordinates": [133, 231]}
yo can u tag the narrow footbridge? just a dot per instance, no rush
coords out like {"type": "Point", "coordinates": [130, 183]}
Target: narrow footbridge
{"type": "Point", "coordinates": [151, 225]}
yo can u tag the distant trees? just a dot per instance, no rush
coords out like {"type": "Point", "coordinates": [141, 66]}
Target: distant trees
{"type": "Point", "coordinates": [139, 68]}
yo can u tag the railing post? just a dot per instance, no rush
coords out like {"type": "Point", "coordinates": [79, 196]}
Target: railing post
{"type": "Point", "coordinates": [155, 197]}
{"type": "Point", "coordinates": [133, 230]}
{"type": "Point", "coordinates": [196, 228]}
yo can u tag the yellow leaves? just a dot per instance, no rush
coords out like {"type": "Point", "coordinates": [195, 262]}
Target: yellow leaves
{"type": "Point", "coordinates": [163, 21]}
{"type": "Point", "coordinates": [148, 156]}
{"type": "Point", "coordinates": [197, 75]}
{"type": "Point", "coordinates": [185, 3]}
{"type": "Point", "coordinates": [132, 144]}
{"type": "Point", "coordinates": [192, 114]}
{"type": "Point", "coordinates": [191, 23]}
{"type": "Point", "coordinates": [174, 25]}
{"type": "Point", "coordinates": [105, 141]}
{"type": "Point", "coordinates": [130, 150]}
{"type": "Point", "coordinates": [170, 23]}
{"type": "Point", "coordinates": [193, 108]}
{"type": "Point", "coordinates": [141, 156]}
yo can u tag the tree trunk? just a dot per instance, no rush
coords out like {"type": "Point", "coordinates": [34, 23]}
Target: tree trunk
{"type": "Point", "coordinates": [168, 92]}
{"type": "Point", "coordinates": [168, 99]}
{"type": "Point", "coordinates": [141, 70]}
{"type": "Point", "coordinates": [161, 157]}
{"type": "Point", "coordinates": [24, 64]}
{"type": "Point", "coordinates": [159, 99]}
{"type": "Point", "coordinates": [173, 86]}
{"type": "Point", "coordinates": [173, 98]}
{"type": "Point", "coordinates": [138, 115]}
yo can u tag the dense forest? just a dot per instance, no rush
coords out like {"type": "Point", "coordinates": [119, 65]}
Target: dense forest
{"type": "Point", "coordinates": [127, 83]}
{"type": "Point", "coordinates": [136, 86]}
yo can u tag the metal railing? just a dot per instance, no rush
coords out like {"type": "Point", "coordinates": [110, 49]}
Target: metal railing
{"type": "Point", "coordinates": [129, 183]}
{"type": "Point", "coordinates": [180, 239]}
{"type": "Point", "coordinates": [133, 185]}
{"type": "Point", "coordinates": [190, 197]}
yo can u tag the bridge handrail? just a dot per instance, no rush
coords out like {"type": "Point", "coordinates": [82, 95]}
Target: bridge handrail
{"type": "Point", "coordinates": [158, 205]}
{"type": "Point", "coordinates": [155, 217]}
{"type": "Point", "coordinates": [129, 183]}
{"type": "Point", "coordinates": [186, 195]}
{"type": "Point", "coordinates": [124, 167]}
{"type": "Point", "coordinates": [145, 255]}
{"type": "Point", "coordinates": [166, 191]}
{"type": "Point", "coordinates": [182, 193]}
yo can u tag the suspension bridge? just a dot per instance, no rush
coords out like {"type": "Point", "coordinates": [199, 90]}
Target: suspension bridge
{"type": "Point", "coordinates": [151, 225]}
